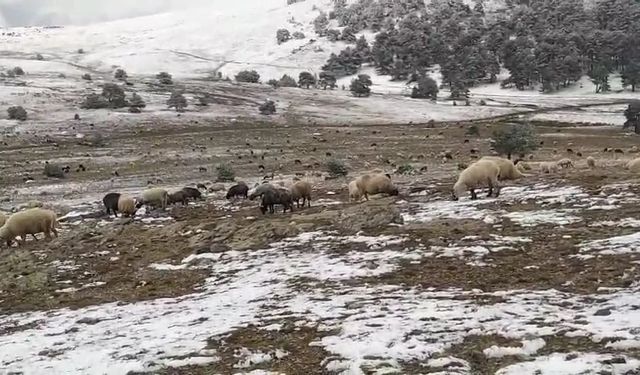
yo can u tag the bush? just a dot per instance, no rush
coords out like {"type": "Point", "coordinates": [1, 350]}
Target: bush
{"type": "Point", "coordinates": [426, 88]}
{"type": "Point", "coordinates": [360, 86]}
{"type": "Point", "coordinates": [62, 75]}
{"type": "Point", "coordinates": [306, 79]}
{"type": "Point", "coordinates": [120, 74]}
{"type": "Point", "coordinates": [473, 130]}
{"type": "Point", "coordinates": [283, 36]}
{"type": "Point", "coordinates": [333, 35]}
{"type": "Point", "coordinates": [482, 102]}
{"type": "Point", "coordinates": [267, 108]}
{"type": "Point", "coordinates": [164, 78]}
{"type": "Point", "coordinates": [18, 71]}
{"type": "Point", "coordinates": [203, 101]}
{"type": "Point", "coordinates": [514, 139]}
{"type": "Point", "coordinates": [250, 76]}
{"type": "Point", "coordinates": [39, 57]}
{"type": "Point", "coordinates": [115, 95]}
{"type": "Point", "coordinates": [94, 101]}
{"type": "Point", "coordinates": [136, 101]}
{"type": "Point", "coordinates": [298, 35]}
{"type": "Point", "coordinates": [336, 168]}
{"type": "Point", "coordinates": [17, 113]}
{"type": "Point", "coordinates": [273, 83]}
{"type": "Point", "coordinates": [287, 81]}
{"type": "Point", "coordinates": [86, 77]}
{"type": "Point", "coordinates": [327, 79]}
{"type": "Point", "coordinates": [406, 169]}
{"type": "Point", "coordinates": [80, 51]}
{"type": "Point", "coordinates": [225, 173]}
{"type": "Point", "coordinates": [11, 74]}
{"type": "Point", "coordinates": [177, 101]}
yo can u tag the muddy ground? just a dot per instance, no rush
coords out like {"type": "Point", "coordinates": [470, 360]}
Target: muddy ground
{"type": "Point", "coordinates": [99, 260]}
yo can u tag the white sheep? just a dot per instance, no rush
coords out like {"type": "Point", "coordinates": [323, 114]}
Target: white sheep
{"type": "Point", "coordinates": [155, 197]}
{"type": "Point", "coordinates": [548, 167]}
{"type": "Point", "coordinates": [127, 206]}
{"type": "Point", "coordinates": [634, 165]}
{"type": "Point", "coordinates": [479, 174]}
{"type": "Point", "coordinates": [565, 163]}
{"type": "Point", "coordinates": [354, 192]}
{"type": "Point", "coordinates": [508, 170]}
{"type": "Point", "coordinates": [371, 184]}
{"type": "Point", "coordinates": [591, 162]}
{"type": "Point", "coordinates": [32, 221]}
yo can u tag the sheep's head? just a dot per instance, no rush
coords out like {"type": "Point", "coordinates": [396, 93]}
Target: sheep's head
{"type": "Point", "coordinates": [458, 189]}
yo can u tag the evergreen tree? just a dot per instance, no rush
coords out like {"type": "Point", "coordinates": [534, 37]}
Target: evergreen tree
{"type": "Point", "coordinates": [115, 95]}
{"type": "Point", "coordinates": [320, 24]}
{"type": "Point", "coordinates": [287, 81]}
{"type": "Point", "coordinates": [120, 74]}
{"type": "Point", "coordinates": [177, 101]}
{"type": "Point", "coordinates": [250, 76]}
{"type": "Point", "coordinates": [164, 78]}
{"type": "Point", "coordinates": [327, 79]}
{"type": "Point", "coordinates": [599, 75]}
{"type": "Point", "coordinates": [136, 101]}
{"type": "Point", "coordinates": [363, 50]}
{"type": "Point", "coordinates": [426, 88]}
{"type": "Point", "coordinates": [632, 114]}
{"type": "Point", "coordinates": [283, 36]}
{"type": "Point", "coordinates": [306, 79]}
{"type": "Point", "coordinates": [631, 76]}
{"type": "Point", "coordinates": [514, 139]}
{"type": "Point", "coordinates": [360, 87]}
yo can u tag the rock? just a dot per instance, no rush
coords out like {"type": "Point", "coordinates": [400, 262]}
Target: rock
{"type": "Point", "coordinates": [603, 312]}
{"type": "Point", "coordinates": [89, 321]}
{"type": "Point", "coordinates": [615, 361]}
{"type": "Point", "coordinates": [216, 187]}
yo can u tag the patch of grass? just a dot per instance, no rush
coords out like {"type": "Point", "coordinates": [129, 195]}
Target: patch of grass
{"type": "Point", "coordinates": [225, 173]}
{"type": "Point", "coordinates": [337, 168]}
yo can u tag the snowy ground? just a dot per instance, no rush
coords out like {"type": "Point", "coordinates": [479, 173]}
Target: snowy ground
{"type": "Point", "coordinates": [373, 327]}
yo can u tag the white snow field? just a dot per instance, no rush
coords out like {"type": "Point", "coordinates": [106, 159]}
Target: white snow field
{"type": "Point", "coordinates": [370, 327]}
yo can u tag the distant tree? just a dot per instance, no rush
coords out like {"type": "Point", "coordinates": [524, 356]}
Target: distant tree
{"type": "Point", "coordinates": [17, 113]}
{"type": "Point", "coordinates": [164, 78]}
{"type": "Point", "coordinates": [360, 87]}
{"type": "Point", "coordinates": [514, 139]}
{"type": "Point", "coordinates": [136, 101]}
{"type": "Point", "coordinates": [80, 51]}
{"type": "Point", "coordinates": [632, 114]}
{"type": "Point", "coordinates": [267, 108]}
{"type": "Point", "coordinates": [306, 79]}
{"type": "Point", "coordinates": [250, 76]}
{"type": "Point", "coordinates": [115, 95]}
{"type": "Point", "coordinates": [39, 57]}
{"type": "Point", "coordinates": [631, 76]}
{"type": "Point", "coordinates": [298, 35]}
{"type": "Point", "coordinates": [363, 50]}
{"type": "Point", "coordinates": [86, 77]}
{"type": "Point", "coordinates": [320, 24]}
{"type": "Point", "coordinates": [599, 75]}
{"type": "Point", "coordinates": [427, 88]}
{"type": "Point", "coordinates": [120, 74]}
{"type": "Point", "coordinates": [94, 101]}
{"type": "Point", "coordinates": [273, 83]}
{"type": "Point", "coordinates": [18, 71]}
{"type": "Point", "coordinates": [348, 35]}
{"type": "Point", "coordinates": [177, 101]}
{"type": "Point", "coordinates": [348, 62]}
{"type": "Point", "coordinates": [283, 36]}
{"type": "Point", "coordinates": [135, 110]}
{"type": "Point", "coordinates": [327, 79]}
{"type": "Point", "coordinates": [287, 81]}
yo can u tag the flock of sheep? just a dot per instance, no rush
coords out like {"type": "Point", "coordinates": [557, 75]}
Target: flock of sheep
{"type": "Point", "coordinates": [487, 172]}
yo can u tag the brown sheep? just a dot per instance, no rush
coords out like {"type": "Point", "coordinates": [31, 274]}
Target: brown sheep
{"type": "Point", "coordinates": [301, 190]}
{"type": "Point", "coordinates": [32, 221]}
{"type": "Point", "coordinates": [370, 184]}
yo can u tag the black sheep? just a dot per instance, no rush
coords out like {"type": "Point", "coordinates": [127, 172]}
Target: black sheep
{"type": "Point", "coordinates": [177, 197]}
{"type": "Point", "coordinates": [111, 203]}
{"type": "Point", "coordinates": [190, 192]}
{"type": "Point", "coordinates": [239, 190]}
{"type": "Point", "coordinates": [277, 196]}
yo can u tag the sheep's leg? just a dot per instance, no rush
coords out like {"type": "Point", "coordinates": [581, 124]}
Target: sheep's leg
{"type": "Point", "coordinates": [32, 235]}
{"type": "Point", "coordinates": [309, 202]}
{"type": "Point", "coordinates": [474, 196]}
{"type": "Point", "coordinates": [47, 235]}
{"type": "Point", "coordinates": [54, 231]}
{"type": "Point", "coordinates": [497, 191]}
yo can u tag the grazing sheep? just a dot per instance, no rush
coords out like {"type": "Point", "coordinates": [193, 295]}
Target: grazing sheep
{"type": "Point", "coordinates": [111, 203]}
{"type": "Point", "coordinates": [370, 184]}
{"type": "Point", "coordinates": [634, 165]}
{"type": "Point", "coordinates": [32, 221]}
{"type": "Point", "coordinates": [239, 190]}
{"type": "Point", "coordinates": [194, 193]}
{"type": "Point", "coordinates": [548, 167]}
{"type": "Point", "coordinates": [177, 197]}
{"type": "Point", "coordinates": [479, 174]}
{"type": "Point", "coordinates": [591, 162]}
{"type": "Point", "coordinates": [156, 197]}
{"type": "Point", "coordinates": [508, 170]}
{"type": "Point", "coordinates": [301, 190]}
{"type": "Point", "coordinates": [261, 190]}
{"type": "Point", "coordinates": [354, 192]}
{"type": "Point", "coordinates": [276, 196]}
{"type": "Point", "coordinates": [127, 205]}
{"type": "Point", "coordinates": [565, 163]}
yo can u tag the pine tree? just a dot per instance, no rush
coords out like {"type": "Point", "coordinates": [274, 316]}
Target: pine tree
{"type": "Point", "coordinates": [177, 101]}
{"type": "Point", "coordinates": [632, 114]}
{"type": "Point", "coordinates": [360, 87]}
{"type": "Point", "coordinates": [631, 76]}
{"type": "Point", "coordinates": [327, 79]}
{"type": "Point", "coordinates": [306, 80]}
{"type": "Point", "coordinates": [250, 76]}
{"type": "Point", "coordinates": [426, 88]}
{"type": "Point", "coordinates": [136, 101]}
{"type": "Point", "coordinates": [287, 81]}
{"type": "Point", "coordinates": [600, 77]}
{"type": "Point", "coordinates": [164, 78]}
{"type": "Point", "coordinates": [115, 95]}
{"type": "Point", "coordinates": [514, 139]}
{"type": "Point", "coordinates": [283, 36]}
